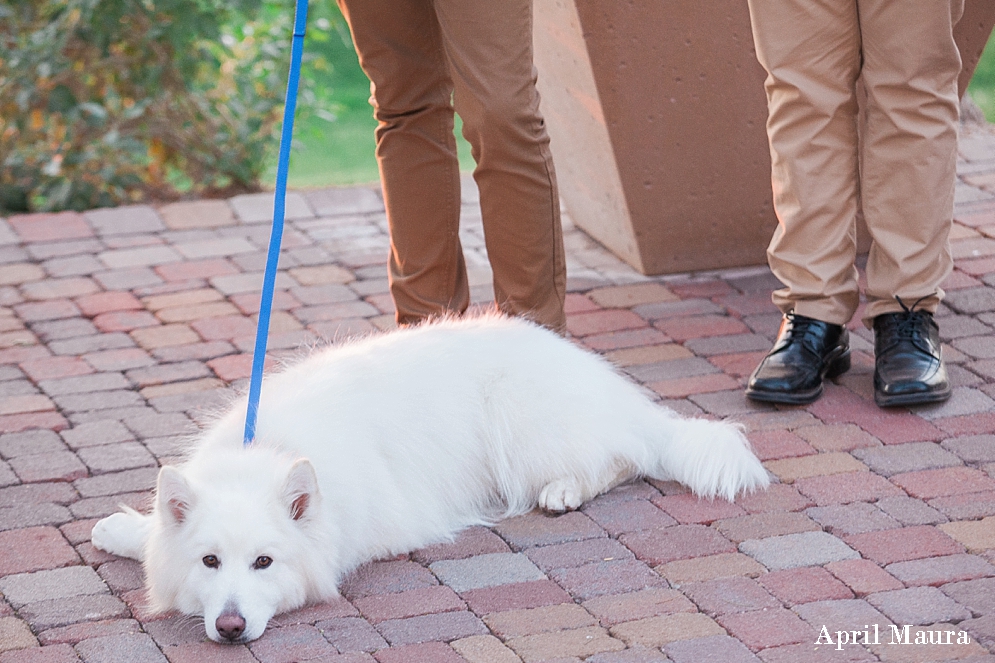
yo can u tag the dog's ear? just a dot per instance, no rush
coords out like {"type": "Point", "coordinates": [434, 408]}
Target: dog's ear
{"type": "Point", "coordinates": [300, 490]}
{"type": "Point", "coordinates": [174, 494]}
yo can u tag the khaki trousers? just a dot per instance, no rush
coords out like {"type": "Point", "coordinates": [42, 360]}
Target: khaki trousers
{"type": "Point", "coordinates": [423, 58]}
{"type": "Point", "coordinates": [903, 175]}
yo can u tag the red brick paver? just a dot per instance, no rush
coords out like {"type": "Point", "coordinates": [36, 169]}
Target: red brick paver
{"type": "Point", "coordinates": [122, 329]}
{"type": "Point", "coordinates": [899, 545]}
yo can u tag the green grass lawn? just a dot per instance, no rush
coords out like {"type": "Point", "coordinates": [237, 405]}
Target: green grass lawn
{"type": "Point", "coordinates": [982, 87]}
{"type": "Point", "coordinates": [340, 151]}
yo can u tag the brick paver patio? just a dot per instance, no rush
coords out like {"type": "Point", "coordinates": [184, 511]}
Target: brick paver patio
{"type": "Point", "coordinates": [120, 329]}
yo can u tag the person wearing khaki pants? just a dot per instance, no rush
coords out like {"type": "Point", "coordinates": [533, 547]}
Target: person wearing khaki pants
{"type": "Point", "coordinates": [424, 59]}
{"type": "Point", "coordinates": [902, 177]}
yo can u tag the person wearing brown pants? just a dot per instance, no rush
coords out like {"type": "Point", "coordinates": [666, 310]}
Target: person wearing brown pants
{"type": "Point", "coordinates": [425, 59]}
{"type": "Point", "coordinates": [902, 177]}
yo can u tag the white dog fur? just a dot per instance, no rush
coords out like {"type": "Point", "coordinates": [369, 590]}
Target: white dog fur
{"type": "Point", "coordinates": [383, 445]}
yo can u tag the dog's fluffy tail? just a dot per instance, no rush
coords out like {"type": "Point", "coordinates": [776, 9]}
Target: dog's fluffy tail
{"type": "Point", "coordinates": [712, 458]}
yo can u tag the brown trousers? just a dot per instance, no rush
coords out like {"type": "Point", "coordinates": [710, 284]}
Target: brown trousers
{"type": "Point", "coordinates": [902, 176]}
{"type": "Point", "coordinates": [423, 58]}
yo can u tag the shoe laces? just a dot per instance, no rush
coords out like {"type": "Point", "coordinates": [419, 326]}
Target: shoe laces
{"type": "Point", "coordinates": [800, 328]}
{"type": "Point", "coordinates": [911, 322]}
{"type": "Point", "coordinates": [800, 325]}
{"type": "Point", "coordinates": [912, 325]}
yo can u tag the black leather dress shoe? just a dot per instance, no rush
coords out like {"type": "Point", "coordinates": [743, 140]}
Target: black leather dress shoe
{"type": "Point", "coordinates": [908, 367]}
{"type": "Point", "coordinates": [806, 351]}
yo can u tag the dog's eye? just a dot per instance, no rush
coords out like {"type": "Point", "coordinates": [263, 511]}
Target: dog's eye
{"type": "Point", "coordinates": [262, 562]}
{"type": "Point", "coordinates": [211, 561]}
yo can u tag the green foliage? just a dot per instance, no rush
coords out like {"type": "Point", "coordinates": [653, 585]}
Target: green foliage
{"type": "Point", "coordinates": [335, 145]}
{"type": "Point", "coordinates": [110, 101]}
{"type": "Point", "coordinates": [982, 87]}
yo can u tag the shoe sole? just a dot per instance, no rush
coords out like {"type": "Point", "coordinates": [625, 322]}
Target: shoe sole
{"type": "Point", "coordinates": [923, 398]}
{"type": "Point", "coordinates": [834, 369]}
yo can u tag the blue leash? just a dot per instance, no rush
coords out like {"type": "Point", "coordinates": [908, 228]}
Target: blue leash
{"type": "Point", "coordinates": [279, 212]}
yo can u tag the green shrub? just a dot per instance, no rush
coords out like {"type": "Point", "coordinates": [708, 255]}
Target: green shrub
{"type": "Point", "coordinates": [111, 101]}
{"type": "Point", "coordinates": [982, 87]}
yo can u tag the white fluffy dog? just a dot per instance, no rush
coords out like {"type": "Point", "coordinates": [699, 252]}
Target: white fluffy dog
{"type": "Point", "coordinates": [383, 445]}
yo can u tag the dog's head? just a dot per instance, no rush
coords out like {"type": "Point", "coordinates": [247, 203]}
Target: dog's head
{"type": "Point", "coordinates": [234, 541]}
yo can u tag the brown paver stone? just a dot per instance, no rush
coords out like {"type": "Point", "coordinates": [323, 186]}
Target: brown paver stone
{"type": "Point", "coordinates": [484, 649]}
{"type": "Point", "coordinates": [600, 322]}
{"type": "Point", "coordinates": [631, 606]}
{"type": "Point", "coordinates": [50, 227]}
{"type": "Point", "coordinates": [648, 354]}
{"type": "Point", "coordinates": [628, 296]}
{"type": "Point", "coordinates": [625, 339]}
{"type": "Point", "coordinates": [789, 470]}
{"type": "Point", "coordinates": [196, 214]}
{"type": "Point", "coordinates": [837, 437]}
{"type": "Point", "coordinates": [581, 643]}
{"type": "Point", "coordinates": [710, 567]}
{"type": "Point", "coordinates": [322, 275]}
{"type": "Point", "coordinates": [975, 535]}
{"type": "Point", "coordinates": [658, 631]}
{"type": "Point", "coordinates": [546, 619]}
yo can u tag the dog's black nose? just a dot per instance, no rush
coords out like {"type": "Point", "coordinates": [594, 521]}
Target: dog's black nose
{"type": "Point", "coordinates": [230, 625]}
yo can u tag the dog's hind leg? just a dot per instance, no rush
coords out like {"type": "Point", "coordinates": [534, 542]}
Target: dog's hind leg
{"type": "Point", "coordinates": [123, 534]}
{"type": "Point", "coordinates": [567, 494]}
{"type": "Point", "coordinates": [561, 495]}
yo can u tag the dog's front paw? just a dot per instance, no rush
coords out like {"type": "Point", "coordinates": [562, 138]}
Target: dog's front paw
{"type": "Point", "coordinates": [121, 534]}
{"type": "Point", "coordinates": [560, 495]}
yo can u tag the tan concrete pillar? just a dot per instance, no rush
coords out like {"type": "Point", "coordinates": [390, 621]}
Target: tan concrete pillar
{"type": "Point", "coordinates": [656, 113]}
